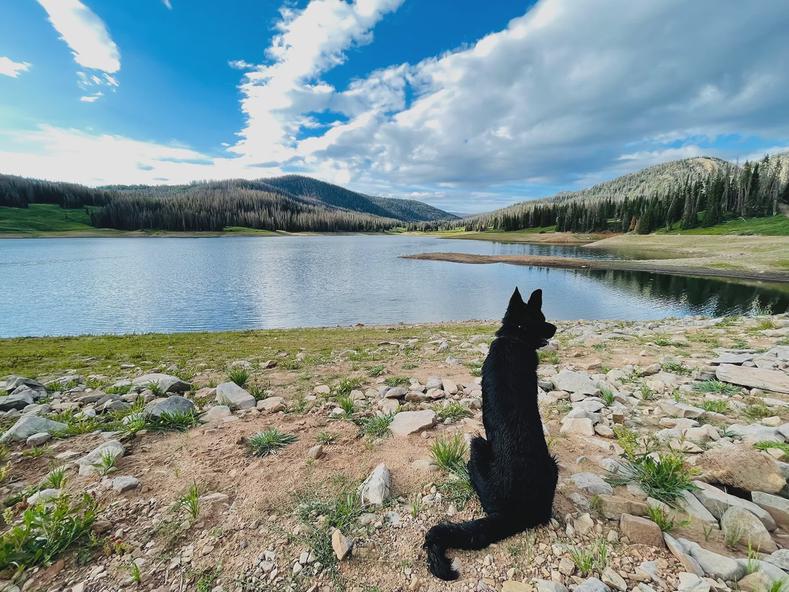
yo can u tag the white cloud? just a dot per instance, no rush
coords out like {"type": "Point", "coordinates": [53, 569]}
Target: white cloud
{"type": "Point", "coordinates": [278, 95]}
{"type": "Point", "coordinates": [89, 40]}
{"type": "Point", "coordinates": [168, 4]}
{"type": "Point", "coordinates": [9, 67]}
{"type": "Point", "coordinates": [98, 159]}
{"type": "Point", "coordinates": [567, 92]}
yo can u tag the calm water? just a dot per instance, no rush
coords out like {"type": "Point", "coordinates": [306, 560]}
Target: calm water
{"type": "Point", "coordinates": [119, 285]}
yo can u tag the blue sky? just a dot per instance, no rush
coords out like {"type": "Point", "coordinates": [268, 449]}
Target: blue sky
{"type": "Point", "coordinates": [465, 107]}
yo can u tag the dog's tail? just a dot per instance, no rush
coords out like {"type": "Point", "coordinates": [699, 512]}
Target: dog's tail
{"type": "Point", "coordinates": [474, 534]}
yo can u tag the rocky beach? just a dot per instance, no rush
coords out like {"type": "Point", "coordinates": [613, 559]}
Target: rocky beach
{"type": "Point", "coordinates": [317, 459]}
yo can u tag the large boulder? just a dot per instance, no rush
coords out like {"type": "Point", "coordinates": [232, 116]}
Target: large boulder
{"type": "Point", "coordinates": [14, 382]}
{"type": "Point", "coordinates": [742, 467]}
{"type": "Point", "coordinates": [713, 564]}
{"type": "Point", "coordinates": [575, 382]}
{"type": "Point", "coordinates": [777, 507]}
{"type": "Point", "coordinates": [412, 422]}
{"type": "Point", "coordinates": [164, 382]}
{"type": "Point", "coordinates": [28, 425]}
{"type": "Point", "coordinates": [717, 502]}
{"type": "Point", "coordinates": [235, 397]}
{"type": "Point", "coordinates": [17, 402]}
{"type": "Point", "coordinates": [170, 405]}
{"type": "Point", "coordinates": [761, 378]}
{"type": "Point", "coordinates": [741, 526]}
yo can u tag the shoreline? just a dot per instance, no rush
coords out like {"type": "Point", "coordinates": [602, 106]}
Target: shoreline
{"type": "Point", "coordinates": [650, 266]}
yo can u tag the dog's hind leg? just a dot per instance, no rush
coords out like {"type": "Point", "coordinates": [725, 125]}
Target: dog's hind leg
{"type": "Point", "coordinates": [479, 469]}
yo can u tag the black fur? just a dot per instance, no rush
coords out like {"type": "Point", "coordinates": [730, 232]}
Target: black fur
{"type": "Point", "coordinates": [512, 471]}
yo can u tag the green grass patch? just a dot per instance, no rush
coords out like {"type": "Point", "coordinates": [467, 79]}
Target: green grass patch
{"type": "Point", "coordinates": [377, 426]}
{"type": "Point", "coordinates": [664, 478]}
{"type": "Point", "coordinates": [592, 558]}
{"type": "Point", "coordinates": [238, 375]}
{"type": "Point", "coordinates": [43, 218]}
{"type": "Point", "coordinates": [177, 421]}
{"type": "Point", "coordinates": [767, 445]}
{"type": "Point", "coordinates": [449, 453]}
{"type": "Point", "coordinates": [397, 381]}
{"type": "Point", "coordinates": [452, 411]}
{"type": "Point", "coordinates": [719, 406]}
{"type": "Point", "coordinates": [44, 531]}
{"type": "Point", "coordinates": [716, 386]}
{"type": "Point", "coordinates": [269, 441]}
{"type": "Point", "coordinates": [769, 226]}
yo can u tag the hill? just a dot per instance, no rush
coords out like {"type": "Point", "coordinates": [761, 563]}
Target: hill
{"type": "Point", "coordinates": [701, 191]}
{"type": "Point", "coordinates": [292, 203]}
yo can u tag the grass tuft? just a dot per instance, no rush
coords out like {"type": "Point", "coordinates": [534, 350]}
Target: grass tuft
{"type": "Point", "coordinates": [593, 558]}
{"type": "Point", "coordinates": [664, 478]}
{"type": "Point", "coordinates": [43, 532]}
{"type": "Point", "coordinates": [377, 426]}
{"type": "Point", "coordinates": [716, 386]}
{"type": "Point", "coordinates": [238, 375]}
{"type": "Point", "coordinates": [270, 441]}
{"type": "Point", "coordinates": [177, 421]}
{"type": "Point", "coordinates": [449, 453]}
{"type": "Point", "coordinates": [452, 411]}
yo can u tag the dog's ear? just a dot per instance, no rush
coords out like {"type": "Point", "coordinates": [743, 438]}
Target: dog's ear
{"type": "Point", "coordinates": [515, 305]}
{"type": "Point", "coordinates": [535, 300]}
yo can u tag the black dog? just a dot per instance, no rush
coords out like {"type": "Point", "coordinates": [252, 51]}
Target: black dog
{"type": "Point", "coordinates": [512, 471]}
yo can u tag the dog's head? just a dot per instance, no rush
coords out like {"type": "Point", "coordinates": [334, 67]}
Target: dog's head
{"type": "Point", "coordinates": [528, 320]}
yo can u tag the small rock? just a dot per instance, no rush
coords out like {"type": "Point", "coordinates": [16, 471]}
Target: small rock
{"type": "Point", "coordinates": [740, 526]}
{"type": "Point", "coordinates": [341, 544]}
{"type": "Point", "coordinates": [591, 483]}
{"type": "Point", "coordinates": [641, 531]}
{"type": "Point", "coordinates": [164, 382]}
{"type": "Point", "coordinates": [38, 439]}
{"type": "Point", "coordinates": [235, 397]}
{"type": "Point", "coordinates": [124, 483]}
{"type": "Point", "coordinates": [29, 425]}
{"type": "Point", "coordinates": [412, 422]}
{"type": "Point", "coordinates": [375, 489]}
{"type": "Point", "coordinates": [613, 580]}
{"type": "Point", "coordinates": [315, 452]}
{"type": "Point", "coordinates": [271, 404]}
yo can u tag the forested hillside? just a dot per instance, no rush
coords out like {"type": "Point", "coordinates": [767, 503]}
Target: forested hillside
{"type": "Point", "coordinates": [696, 192]}
{"type": "Point", "coordinates": [291, 203]}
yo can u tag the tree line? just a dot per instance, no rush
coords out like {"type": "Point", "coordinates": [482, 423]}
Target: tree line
{"type": "Point", "coordinates": [195, 207]}
{"type": "Point", "coordinates": [752, 190]}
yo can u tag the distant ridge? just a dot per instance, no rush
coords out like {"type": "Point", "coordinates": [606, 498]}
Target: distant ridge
{"type": "Point", "coordinates": [290, 203]}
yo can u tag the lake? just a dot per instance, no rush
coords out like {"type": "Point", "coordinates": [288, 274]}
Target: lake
{"type": "Point", "coordinates": [73, 286]}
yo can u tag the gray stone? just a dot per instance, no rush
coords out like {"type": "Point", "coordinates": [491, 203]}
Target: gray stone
{"type": "Point", "coordinates": [18, 402]}
{"type": "Point", "coordinates": [641, 530]}
{"type": "Point", "coordinates": [172, 404]}
{"type": "Point", "coordinates": [124, 483]}
{"type": "Point", "coordinates": [376, 488]}
{"type": "Point", "coordinates": [216, 413]}
{"type": "Point", "coordinates": [548, 586]}
{"type": "Point", "coordinates": [271, 404]}
{"type": "Point", "coordinates": [14, 382]}
{"type": "Point", "coordinates": [591, 483]}
{"type": "Point", "coordinates": [43, 496]}
{"type": "Point", "coordinates": [38, 439]}
{"type": "Point", "coordinates": [28, 425]}
{"type": "Point", "coordinates": [739, 523]}
{"type": "Point", "coordinates": [679, 551]}
{"type": "Point", "coordinates": [87, 464]}
{"type": "Point", "coordinates": [761, 378]}
{"type": "Point", "coordinates": [680, 409]}
{"type": "Point", "coordinates": [592, 585]}
{"type": "Point", "coordinates": [691, 505]}
{"type": "Point", "coordinates": [713, 564]}
{"type": "Point", "coordinates": [755, 582]}
{"type": "Point", "coordinates": [752, 433]}
{"type": "Point", "coordinates": [412, 422]}
{"type": "Point", "coordinates": [235, 397]}
{"type": "Point", "coordinates": [396, 392]}
{"type": "Point", "coordinates": [717, 502]}
{"type": "Point", "coordinates": [773, 572]}
{"type": "Point", "coordinates": [581, 426]}
{"type": "Point", "coordinates": [780, 558]}
{"type": "Point", "coordinates": [614, 580]}
{"type": "Point", "coordinates": [164, 382]}
{"type": "Point", "coordinates": [691, 582]}
{"type": "Point", "coordinates": [575, 382]}
{"type": "Point", "coordinates": [777, 507]}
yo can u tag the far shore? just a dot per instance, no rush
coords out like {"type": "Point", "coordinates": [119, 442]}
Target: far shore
{"type": "Point", "coordinates": [759, 258]}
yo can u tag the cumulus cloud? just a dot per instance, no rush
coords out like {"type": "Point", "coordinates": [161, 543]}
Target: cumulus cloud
{"type": "Point", "coordinates": [279, 95]}
{"type": "Point", "coordinates": [168, 4]}
{"type": "Point", "coordinates": [566, 91]}
{"type": "Point", "coordinates": [9, 67]}
{"type": "Point", "coordinates": [568, 94]}
{"type": "Point", "coordinates": [89, 40]}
